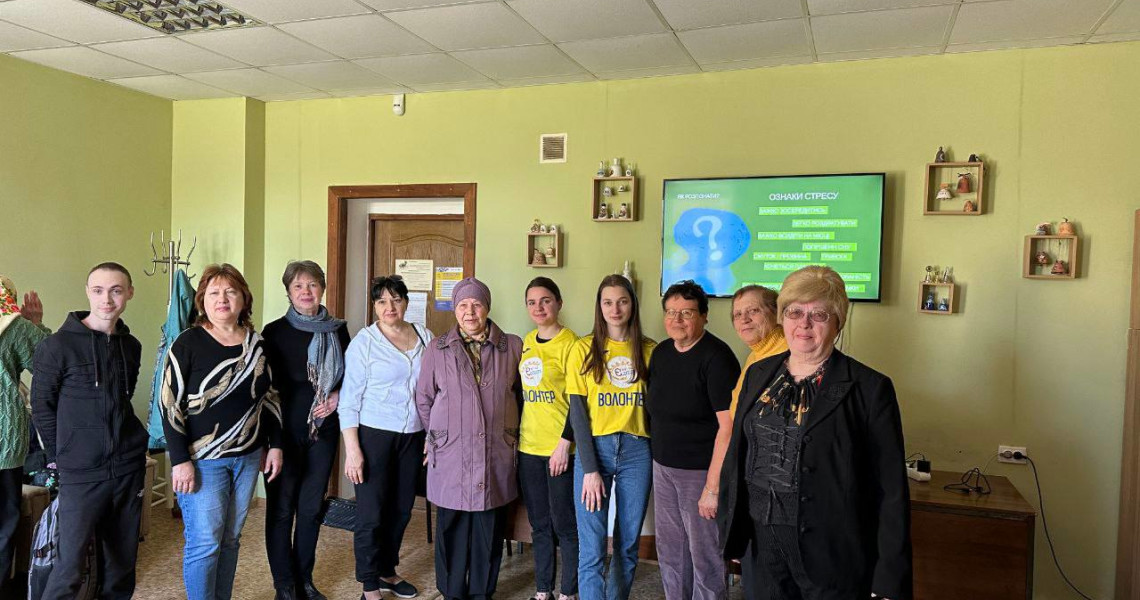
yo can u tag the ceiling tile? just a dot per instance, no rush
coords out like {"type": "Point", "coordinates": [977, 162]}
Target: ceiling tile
{"type": "Point", "coordinates": [519, 62]}
{"type": "Point", "coordinates": [277, 11]}
{"type": "Point", "coordinates": [568, 20]}
{"type": "Point", "coordinates": [87, 62]}
{"type": "Point", "coordinates": [1126, 18]}
{"type": "Point", "coordinates": [259, 46]}
{"type": "Point", "coordinates": [172, 87]}
{"type": "Point", "coordinates": [341, 75]}
{"type": "Point", "coordinates": [380, 91]}
{"type": "Point", "coordinates": [531, 81]}
{"type": "Point", "coordinates": [362, 36]}
{"type": "Point", "coordinates": [651, 72]}
{"type": "Point", "coordinates": [831, 7]}
{"type": "Point", "coordinates": [169, 54]}
{"type": "Point", "coordinates": [1007, 44]}
{"type": "Point", "coordinates": [623, 54]}
{"type": "Point", "coordinates": [383, 5]}
{"type": "Point", "coordinates": [1115, 37]}
{"type": "Point", "coordinates": [14, 37]}
{"type": "Point", "coordinates": [751, 40]}
{"type": "Point", "coordinates": [1025, 19]}
{"type": "Point", "coordinates": [879, 53]}
{"type": "Point", "coordinates": [757, 63]}
{"type": "Point", "coordinates": [249, 82]}
{"type": "Point", "coordinates": [73, 20]}
{"type": "Point", "coordinates": [421, 69]}
{"type": "Point", "coordinates": [456, 86]}
{"type": "Point", "coordinates": [468, 26]}
{"type": "Point", "coordinates": [293, 96]}
{"type": "Point", "coordinates": [687, 14]}
{"type": "Point", "coordinates": [901, 28]}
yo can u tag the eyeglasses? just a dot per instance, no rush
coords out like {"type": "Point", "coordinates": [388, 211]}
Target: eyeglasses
{"type": "Point", "coordinates": [795, 314]}
{"type": "Point", "coordinates": [685, 314]}
{"type": "Point", "coordinates": [751, 313]}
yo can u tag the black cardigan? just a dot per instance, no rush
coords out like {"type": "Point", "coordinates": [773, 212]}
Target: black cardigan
{"type": "Point", "coordinates": [854, 509]}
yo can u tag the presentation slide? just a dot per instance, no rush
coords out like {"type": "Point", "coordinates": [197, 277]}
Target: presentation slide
{"type": "Point", "coordinates": [728, 233]}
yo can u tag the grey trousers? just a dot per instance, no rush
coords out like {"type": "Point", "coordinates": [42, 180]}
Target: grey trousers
{"type": "Point", "coordinates": [688, 546]}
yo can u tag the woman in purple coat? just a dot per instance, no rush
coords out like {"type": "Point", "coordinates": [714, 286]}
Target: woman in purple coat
{"type": "Point", "coordinates": [468, 397]}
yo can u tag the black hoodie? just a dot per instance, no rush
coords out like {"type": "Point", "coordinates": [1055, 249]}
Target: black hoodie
{"type": "Point", "coordinates": [81, 401]}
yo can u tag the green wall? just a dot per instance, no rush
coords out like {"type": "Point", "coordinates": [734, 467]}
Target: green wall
{"type": "Point", "coordinates": [84, 178]}
{"type": "Point", "coordinates": [1033, 363]}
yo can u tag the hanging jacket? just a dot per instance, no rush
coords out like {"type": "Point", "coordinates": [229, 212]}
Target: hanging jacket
{"type": "Point", "coordinates": [81, 401]}
{"type": "Point", "coordinates": [178, 317]}
{"type": "Point", "coordinates": [18, 340]}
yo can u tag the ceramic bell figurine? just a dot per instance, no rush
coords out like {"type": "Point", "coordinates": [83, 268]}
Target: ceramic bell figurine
{"type": "Point", "coordinates": [623, 211]}
{"type": "Point", "coordinates": [601, 168]}
{"type": "Point", "coordinates": [929, 271]}
{"type": "Point", "coordinates": [946, 276]}
{"type": "Point", "coordinates": [969, 206]}
{"type": "Point", "coordinates": [629, 170]}
{"type": "Point", "coordinates": [944, 305]}
{"type": "Point", "coordinates": [964, 182]}
{"type": "Point", "coordinates": [1066, 228]}
{"type": "Point", "coordinates": [1041, 258]}
{"type": "Point", "coordinates": [944, 192]}
{"type": "Point", "coordinates": [615, 169]}
{"type": "Point", "coordinates": [542, 229]}
{"type": "Point", "coordinates": [607, 191]}
{"type": "Point", "coordinates": [538, 258]}
{"type": "Point", "coordinates": [622, 188]}
{"type": "Point", "coordinates": [553, 229]}
{"type": "Point", "coordinates": [535, 227]}
{"type": "Point", "coordinates": [1059, 268]}
{"type": "Point", "coordinates": [550, 258]}
{"type": "Point", "coordinates": [974, 158]}
{"type": "Point", "coordinates": [928, 304]}
{"type": "Point", "coordinates": [941, 156]}
{"type": "Point", "coordinates": [603, 211]}
{"type": "Point", "coordinates": [1043, 228]}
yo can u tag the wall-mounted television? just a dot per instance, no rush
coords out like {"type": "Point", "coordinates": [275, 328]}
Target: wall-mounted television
{"type": "Point", "coordinates": [725, 233]}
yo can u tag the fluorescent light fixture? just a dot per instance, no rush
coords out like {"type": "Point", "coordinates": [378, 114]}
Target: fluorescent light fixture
{"type": "Point", "coordinates": [176, 16]}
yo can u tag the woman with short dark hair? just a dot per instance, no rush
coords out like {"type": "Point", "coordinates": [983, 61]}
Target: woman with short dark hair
{"type": "Point", "coordinates": [305, 349]}
{"type": "Point", "coordinates": [383, 436]}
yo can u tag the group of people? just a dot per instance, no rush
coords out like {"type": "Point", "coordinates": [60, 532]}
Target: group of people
{"type": "Point", "coordinates": [793, 466]}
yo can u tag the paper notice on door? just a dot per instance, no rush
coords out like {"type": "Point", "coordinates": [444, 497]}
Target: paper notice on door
{"type": "Point", "coordinates": [416, 273]}
{"type": "Point", "coordinates": [445, 280]}
{"type": "Point", "coordinates": [417, 308]}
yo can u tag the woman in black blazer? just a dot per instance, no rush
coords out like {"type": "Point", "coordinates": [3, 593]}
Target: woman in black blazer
{"type": "Point", "coordinates": [814, 474]}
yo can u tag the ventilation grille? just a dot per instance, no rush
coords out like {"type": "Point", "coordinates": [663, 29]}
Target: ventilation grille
{"type": "Point", "coordinates": [176, 16]}
{"type": "Point", "coordinates": [552, 148]}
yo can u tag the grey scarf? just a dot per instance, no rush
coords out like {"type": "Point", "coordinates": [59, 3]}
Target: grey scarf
{"type": "Point", "coordinates": [325, 361]}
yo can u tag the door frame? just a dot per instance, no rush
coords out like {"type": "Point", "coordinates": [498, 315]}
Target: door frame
{"type": "Point", "coordinates": [339, 196]}
{"type": "Point", "coordinates": [372, 218]}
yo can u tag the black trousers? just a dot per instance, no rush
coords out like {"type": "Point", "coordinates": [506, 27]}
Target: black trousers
{"type": "Point", "coordinates": [110, 511]}
{"type": "Point", "coordinates": [11, 481]}
{"type": "Point", "coordinates": [392, 463]}
{"type": "Point", "coordinates": [468, 552]}
{"type": "Point", "coordinates": [294, 505]}
{"type": "Point", "coordinates": [550, 509]}
{"type": "Point", "coordinates": [779, 569]}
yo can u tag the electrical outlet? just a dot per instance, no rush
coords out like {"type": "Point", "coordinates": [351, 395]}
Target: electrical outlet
{"type": "Point", "coordinates": [1007, 451]}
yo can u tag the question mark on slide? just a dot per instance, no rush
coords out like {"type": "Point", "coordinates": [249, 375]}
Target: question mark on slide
{"type": "Point", "coordinates": [714, 226]}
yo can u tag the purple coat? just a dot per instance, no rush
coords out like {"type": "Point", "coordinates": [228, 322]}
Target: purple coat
{"type": "Point", "coordinates": [472, 431]}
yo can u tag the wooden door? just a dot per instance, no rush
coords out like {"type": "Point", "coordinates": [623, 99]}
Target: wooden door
{"type": "Point", "coordinates": [439, 238]}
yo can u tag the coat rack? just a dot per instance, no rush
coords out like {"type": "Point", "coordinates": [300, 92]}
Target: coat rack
{"type": "Point", "coordinates": [171, 258]}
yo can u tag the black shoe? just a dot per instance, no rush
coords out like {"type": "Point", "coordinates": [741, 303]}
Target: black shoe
{"type": "Point", "coordinates": [285, 593]}
{"type": "Point", "coordinates": [401, 590]}
{"type": "Point", "coordinates": [306, 591]}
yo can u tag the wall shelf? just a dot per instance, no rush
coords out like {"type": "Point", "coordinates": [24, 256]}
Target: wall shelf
{"type": "Point", "coordinates": [940, 291]}
{"type": "Point", "coordinates": [938, 173]}
{"type": "Point", "coordinates": [542, 241]}
{"type": "Point", "coordinates": [615, 199]}
{"type": "Point", "coordinates": [1062, 247]}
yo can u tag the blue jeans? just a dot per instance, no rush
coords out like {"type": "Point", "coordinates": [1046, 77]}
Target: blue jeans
{"type": "Point", "coordinates": [213, 516]}
{"type": "Point", "coordinates": [627, 472]}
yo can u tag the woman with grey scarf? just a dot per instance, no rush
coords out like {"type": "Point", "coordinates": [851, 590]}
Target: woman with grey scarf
{"type": "Point", "coordinates": [305, 349]}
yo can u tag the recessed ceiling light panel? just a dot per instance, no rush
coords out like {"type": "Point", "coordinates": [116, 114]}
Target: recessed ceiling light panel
{"type": "Point", "coordinates": [176, 16]}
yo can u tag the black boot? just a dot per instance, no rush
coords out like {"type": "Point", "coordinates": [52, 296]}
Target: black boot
{"type": "Point", "coordinates": [285, 593]}
{"type": "Point", "coordinates": [306, 591]}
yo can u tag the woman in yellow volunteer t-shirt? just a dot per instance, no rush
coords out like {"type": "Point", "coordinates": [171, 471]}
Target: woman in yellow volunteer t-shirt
{"type": "Point", "coordinates": [545, 438]}
{"type": "Point", "coordinates": [606, 383]}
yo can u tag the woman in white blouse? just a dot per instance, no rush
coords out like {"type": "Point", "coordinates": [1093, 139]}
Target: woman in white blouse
{"type": "Point", "coordinates": [383, 436]}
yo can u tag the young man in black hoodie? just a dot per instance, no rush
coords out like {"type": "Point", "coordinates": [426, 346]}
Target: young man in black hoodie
{"type": "Point", "coordinates": [85, 375]}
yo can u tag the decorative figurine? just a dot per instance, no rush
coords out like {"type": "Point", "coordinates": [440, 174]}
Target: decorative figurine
{"type": "Point", "coordinates": [944, 192]}
{"type": "Point", "coordinates": [601, 168]}
{"type": "Point", "coordinates": [928, 304]}
{"type": "Point", "coordinates": [603, 211]}
{"type": "Point", "coordinates": [1041, 258]}
{"type": "Point", "coordinates": [615, 169]}
{"type": "Point", "coordinates": [607, 191]}
{"type": "Point", "coordinates": [1059, 268]}
{"type": "Point", "coordinates": [1043, 228]}
{"type": "Point", "coordinates": [553, 230]}
{"type": "Point", "coordinates": [627, 272]}
{"type": "Point", "coordinates": [941, 156]}
{"type": "Point", "coordinates": [974, 158]}
{"type": "Point", "coordinates": [542, 229]}
{"type": "Point", "coordinates": [629, 170]}
{"type": "Point", "coordinates": [550, 258]}
{"type": "Point", "coordinates": [946, 275]}
{"type": "Point", "coordinates": [944, 305]}
{"type": "Point", "coordinates": [1066, 228]}
{"type": "Point", "coordinates": [623, 211]}
{"type": "Point", "coordinates": [539, 258]}
{"type": "Point", "coordinates": [929, 270]}
{"type": "Point", "coordinates": [622, 188]}
{"type": "Point", "coordinates": [535, 227]}
{"type": "Point", "coordinates": [969, 206]}
{"type": "Point", "coordinates": [964, 182]}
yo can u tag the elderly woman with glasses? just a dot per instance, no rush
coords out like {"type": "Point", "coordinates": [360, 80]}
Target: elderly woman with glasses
{"type": "Point", "coordinates": [814, 475]}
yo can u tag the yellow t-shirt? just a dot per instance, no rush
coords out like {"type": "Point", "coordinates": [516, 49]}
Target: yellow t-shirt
{"type": "Point", "coordinates": [542, 370]}
{"type": "Point", "coordinates": [617, 404]}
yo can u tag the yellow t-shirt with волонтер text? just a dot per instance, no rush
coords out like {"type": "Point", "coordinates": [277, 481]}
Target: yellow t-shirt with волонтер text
{"type": "Point", "coordinates": [542, 371]}
{"type": "Point", "coordinates": [617, 403]}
